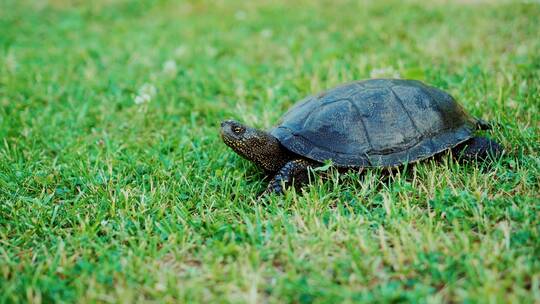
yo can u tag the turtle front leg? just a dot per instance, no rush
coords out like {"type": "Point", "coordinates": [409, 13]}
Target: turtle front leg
{"type": "Point", "coordinates": [296, 171]}
{"type": "Point", "coordinates": [478, 148]}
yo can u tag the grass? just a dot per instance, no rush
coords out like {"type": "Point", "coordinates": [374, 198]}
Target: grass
{"type": "Point", "coordinates": [115, 186]}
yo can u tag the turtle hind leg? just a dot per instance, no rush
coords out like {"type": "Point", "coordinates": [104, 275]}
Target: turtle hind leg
{"type": "Point", "coordinates": [295, 171]}
{"type": "Point", "coordinates": [478, 148]}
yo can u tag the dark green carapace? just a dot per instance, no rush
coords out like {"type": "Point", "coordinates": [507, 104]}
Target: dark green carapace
{"type": "Point", "coordinates": [371, 123]}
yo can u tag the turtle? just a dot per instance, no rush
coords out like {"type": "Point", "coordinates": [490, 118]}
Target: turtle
{"type": "Point", "coordinates": [374, 123]}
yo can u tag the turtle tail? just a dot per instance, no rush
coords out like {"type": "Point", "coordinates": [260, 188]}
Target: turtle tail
{"type": "Point", "coordinates": [482, 124]}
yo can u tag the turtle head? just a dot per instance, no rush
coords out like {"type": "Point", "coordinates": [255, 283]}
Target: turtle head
{"type": "Point", "coordinates": [255, 145]}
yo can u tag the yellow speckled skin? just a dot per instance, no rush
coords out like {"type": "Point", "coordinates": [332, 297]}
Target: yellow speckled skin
{"type": "Point", "coordinates": [254, 145]}
{"type": "Point", "coordinates": [265, 150]}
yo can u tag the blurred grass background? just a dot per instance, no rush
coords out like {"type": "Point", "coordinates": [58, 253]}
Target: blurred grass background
{"type": "Point", "coordinates": [115, 186]}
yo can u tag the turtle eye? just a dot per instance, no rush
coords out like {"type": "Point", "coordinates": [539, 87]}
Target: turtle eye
{"type": "Point", "coordinates": [237, 129]}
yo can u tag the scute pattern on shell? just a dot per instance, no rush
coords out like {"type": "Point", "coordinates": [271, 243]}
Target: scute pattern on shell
{"type": "Point", "coordinates": [377, 122]}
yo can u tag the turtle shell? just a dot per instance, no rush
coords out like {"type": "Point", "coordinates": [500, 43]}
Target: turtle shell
{"type": "Point", "coordinates": [375, 123]}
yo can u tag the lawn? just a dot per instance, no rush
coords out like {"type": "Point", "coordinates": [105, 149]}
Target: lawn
{"type": "Point", "coordinates": [116, 187]}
